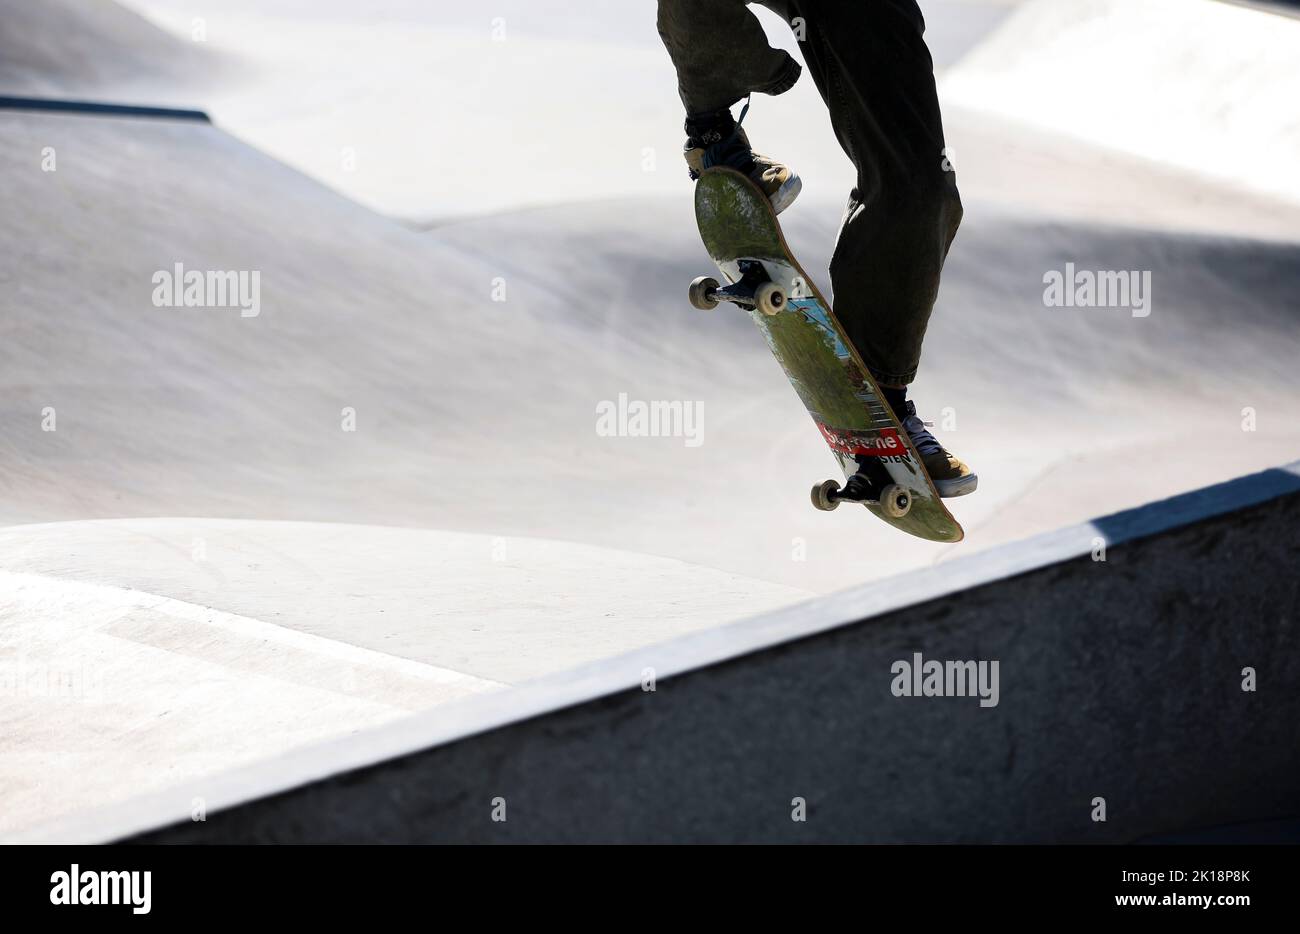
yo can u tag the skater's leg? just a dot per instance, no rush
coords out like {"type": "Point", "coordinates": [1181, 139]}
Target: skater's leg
{"type": "Point", "coordinates": [873, 69]}
{"type": "Point", "coordinates": [721, 54]}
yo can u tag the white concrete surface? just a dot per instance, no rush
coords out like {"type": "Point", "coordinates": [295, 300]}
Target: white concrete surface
{"type": "Point", "coordinates": [98, 50]}
{"type": "Point", "coordinates": [437, 109]}
{"type": "Point", "coordinates": [186, 646]}
{"type": "Point", "coordinates": [107, 689]}
{"type": "Point", "coordinates": [1200, 84]}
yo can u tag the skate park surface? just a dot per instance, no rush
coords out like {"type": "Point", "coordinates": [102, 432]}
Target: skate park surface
{"type": "Point", "coordinates": [386, 490]}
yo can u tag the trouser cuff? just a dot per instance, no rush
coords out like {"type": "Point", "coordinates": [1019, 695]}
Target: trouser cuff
{"type": "Point", "coordinates": [785, 80]}
{"type": "Point", "coordinates": [892, 379]}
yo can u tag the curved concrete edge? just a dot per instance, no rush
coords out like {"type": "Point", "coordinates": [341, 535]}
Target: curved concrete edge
{"type": "Point", "coordinates": [360, 787]}
{"type": "Point", "coordinates": [99, 109]}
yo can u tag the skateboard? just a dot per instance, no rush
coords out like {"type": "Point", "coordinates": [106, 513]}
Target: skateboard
{"type": "Point", "coordinates": [742, 236]}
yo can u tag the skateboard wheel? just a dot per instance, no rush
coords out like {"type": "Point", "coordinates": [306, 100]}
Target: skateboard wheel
{"type": "Point", "coordinates": [769, 299]}
{"type": "Point", "coordinates": [700, 293]}
{"type": "Point", "coordinates": [895, 501]}
{"type": "Point", "coordinates": [823, 495]}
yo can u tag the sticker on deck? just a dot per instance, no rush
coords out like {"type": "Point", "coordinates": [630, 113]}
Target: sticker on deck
{"type": "Point", "coordinates": [877, 442]}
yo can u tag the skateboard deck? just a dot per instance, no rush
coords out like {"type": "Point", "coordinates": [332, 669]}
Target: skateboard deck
{"type": "Point", "coordinates": [742, 236]}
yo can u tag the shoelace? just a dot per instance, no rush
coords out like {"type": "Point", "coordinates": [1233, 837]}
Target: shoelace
{"type": "Point", "coordinates": [727, 152]}
{"type": "Point", "coordinates": [924, 442]}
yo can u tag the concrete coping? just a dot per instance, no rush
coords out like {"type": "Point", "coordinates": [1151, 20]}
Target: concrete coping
{"type": "Point", "coordinates": [465, 718]}
{"type": "Point", "coordinates": [96, 108]}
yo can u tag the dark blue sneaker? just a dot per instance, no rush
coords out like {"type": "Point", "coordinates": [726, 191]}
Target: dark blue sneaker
{"type": "Point", "coordinates": [951, 477]}
{"type": "Point", "coordinates": [717, 139]}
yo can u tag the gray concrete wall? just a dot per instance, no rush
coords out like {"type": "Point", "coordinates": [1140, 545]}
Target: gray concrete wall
{"type": "Point", "coordinates": [1119, 679]}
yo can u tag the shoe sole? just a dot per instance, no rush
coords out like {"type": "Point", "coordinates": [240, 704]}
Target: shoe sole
{"type": "Point", "coordinates": [950, 489]}
{"type": "Point", "coordinates": [786, 194]}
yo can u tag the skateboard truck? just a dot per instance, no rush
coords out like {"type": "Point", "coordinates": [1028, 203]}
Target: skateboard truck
{"type": "Point", "coordinates": [893, 499]}
{"type": "Point", "coordinates": [752, 290]}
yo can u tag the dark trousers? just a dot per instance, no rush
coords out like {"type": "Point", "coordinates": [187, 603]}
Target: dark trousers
{"type": "Point", "coordinates": [871, 65]}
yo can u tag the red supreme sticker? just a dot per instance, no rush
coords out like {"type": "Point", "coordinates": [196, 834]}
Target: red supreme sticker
{"type": "Point", "coordinates": [880, 442]}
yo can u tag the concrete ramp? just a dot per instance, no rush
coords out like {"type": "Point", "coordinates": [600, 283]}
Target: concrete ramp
{"type": "Point", "coordinates": [1201, 84]}
{"type": "Point", "coordinates": [204, 489]}
{"type": "Point", "coordinates": [76, 48]}
{"type": "Point", "coordinates": [188, 646]}
{"type": "Point", "coordinates": [1144, 675]}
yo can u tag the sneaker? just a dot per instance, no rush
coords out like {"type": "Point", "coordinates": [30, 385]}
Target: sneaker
{"type": "Point", "coordinates": [717, 139]}
{"type": "Point", "coordinates": [951, 477]}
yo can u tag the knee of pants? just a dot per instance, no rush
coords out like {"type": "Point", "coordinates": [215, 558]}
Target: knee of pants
{"type": "Point", "coordinates": [909, 190]}
{"type": "Point", "coordinates": [953, 211]}
{"type": "Point", "coordinates": [934, 201]}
